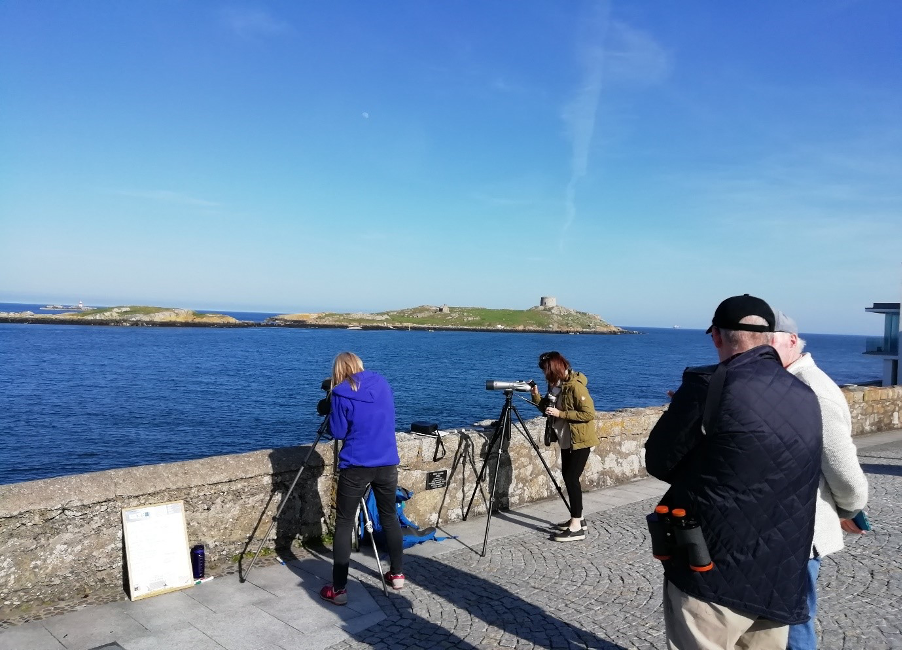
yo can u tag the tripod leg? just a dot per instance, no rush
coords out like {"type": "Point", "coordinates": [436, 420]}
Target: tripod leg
{"type": "Point", "coordinates": [504, 425]}
{"type": "Point", "coordinates": [369, 529]}
{"type": "Point", "coordinates": [319, 434]}
{"type": "Point", "coordinates": [481, 476]}
{"type": "Point", "coordinates": [535, 447]}
{"type": "Point", "coordinates": [459, 455]}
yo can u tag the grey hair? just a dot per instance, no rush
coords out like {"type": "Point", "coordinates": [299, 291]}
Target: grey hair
{"type": "Point", "coordinates": [800, 342]}
{"type": "Point", "coordinates": [742, 340]}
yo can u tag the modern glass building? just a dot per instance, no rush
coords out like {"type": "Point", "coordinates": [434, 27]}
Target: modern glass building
{"type": "Point", "coordinates": [886, 346]}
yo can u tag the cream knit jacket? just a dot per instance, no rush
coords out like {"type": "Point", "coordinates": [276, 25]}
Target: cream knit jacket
{"type": "Point", "coordinates": [843, 489]}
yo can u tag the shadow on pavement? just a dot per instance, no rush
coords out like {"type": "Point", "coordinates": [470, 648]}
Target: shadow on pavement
{"type": "Point", "coordinates": [498, 617]}
{"type": "Point", "coordinates": [889, 470]}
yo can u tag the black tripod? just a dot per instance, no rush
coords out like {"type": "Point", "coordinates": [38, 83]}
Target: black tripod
{"type": "Point", "coordinates": [320, 432]}
{"type": "Point", "coordinates": [502, 437]}
{"type": "Point", "coordinates": [462, 456]}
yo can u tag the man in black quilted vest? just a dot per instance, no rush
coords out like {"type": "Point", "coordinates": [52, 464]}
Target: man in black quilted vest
{"type": "Point", "coordinates": [740, 446]}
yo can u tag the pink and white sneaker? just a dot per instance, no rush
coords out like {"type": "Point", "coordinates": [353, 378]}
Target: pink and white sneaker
{"type": "Point", "coordinates": [395, 580]}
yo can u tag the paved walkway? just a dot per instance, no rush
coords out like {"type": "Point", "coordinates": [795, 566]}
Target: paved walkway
{"type": "Point", "coordinates": [528, 592]}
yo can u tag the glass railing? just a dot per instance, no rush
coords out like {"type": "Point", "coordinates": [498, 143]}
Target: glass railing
{"type": "Point", "coordinates": [880, 345]}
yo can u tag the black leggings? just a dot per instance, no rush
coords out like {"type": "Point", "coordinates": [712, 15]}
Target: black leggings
{"type": "Point", "coordinates": [573, 462]}
{"type": "Point", "coordinates": [352, 482]}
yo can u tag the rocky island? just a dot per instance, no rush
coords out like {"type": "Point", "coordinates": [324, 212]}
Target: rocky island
{"type": "Point", "coordinates": [126, 315]}
{"type": "Point", "coordinates": [547, 317]}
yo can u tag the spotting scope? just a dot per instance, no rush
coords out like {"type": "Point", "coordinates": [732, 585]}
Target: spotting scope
{"type": "Point", "coordinates": [519, 386]}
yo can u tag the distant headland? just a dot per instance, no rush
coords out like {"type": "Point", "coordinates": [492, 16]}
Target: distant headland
{"type": "Point", "coordinates": [122, 315]}
{"type": "Point", "coordinates": [547, 317]}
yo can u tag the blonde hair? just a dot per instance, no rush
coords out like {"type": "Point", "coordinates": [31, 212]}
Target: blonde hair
{"type": "Point", "coordinates": [345, 366]}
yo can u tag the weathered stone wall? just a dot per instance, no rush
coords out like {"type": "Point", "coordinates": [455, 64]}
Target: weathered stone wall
{"type": "Point", "coordinates": [874, 409]}
{"type": "Point", "coordinates": [62, 537]}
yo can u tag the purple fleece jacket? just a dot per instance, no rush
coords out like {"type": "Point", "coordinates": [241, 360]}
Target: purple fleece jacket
{"type": "Point", "coordinates": [365, 420]}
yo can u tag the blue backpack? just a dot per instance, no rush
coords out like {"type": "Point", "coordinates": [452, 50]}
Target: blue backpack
{"type": "Point", "coordinates": [411, 533]}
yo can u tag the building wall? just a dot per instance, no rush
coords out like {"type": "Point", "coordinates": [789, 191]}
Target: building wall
{"type": "Point", "coordinates": [62, 537]}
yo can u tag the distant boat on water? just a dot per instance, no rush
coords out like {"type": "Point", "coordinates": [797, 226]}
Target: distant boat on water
{"type": "Point", "coordinates": [354, 327]}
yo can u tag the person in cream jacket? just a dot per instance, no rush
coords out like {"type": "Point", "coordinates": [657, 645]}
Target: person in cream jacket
{"type": "Point", "coordinates": [843, 488]}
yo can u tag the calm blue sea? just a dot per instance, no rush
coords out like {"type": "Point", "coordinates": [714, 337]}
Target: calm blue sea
{"type": "Point", "coordinates": [85, 398]}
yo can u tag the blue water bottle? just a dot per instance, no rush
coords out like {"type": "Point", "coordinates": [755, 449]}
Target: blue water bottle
{"type": "Point", "coordinates": [197, 561]}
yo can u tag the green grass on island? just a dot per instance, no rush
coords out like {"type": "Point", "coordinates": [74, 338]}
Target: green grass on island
{"type": "Point", "coordinates": [133, 310]}
{"type": "Point", "coordinates": [534, 319]}
{"type": "Point", "coordinates": [426, 316]}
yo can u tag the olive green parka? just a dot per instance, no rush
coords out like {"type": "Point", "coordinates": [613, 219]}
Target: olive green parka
{"type": "Point", "coordinates": [577, 408]}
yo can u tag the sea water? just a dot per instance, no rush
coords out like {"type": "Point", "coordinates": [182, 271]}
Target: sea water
{"type": "Point", "coordinates": [85, 398]}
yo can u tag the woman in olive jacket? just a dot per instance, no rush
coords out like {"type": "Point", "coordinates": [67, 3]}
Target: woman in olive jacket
{"type": "Point", "coordinates": [571, 416]}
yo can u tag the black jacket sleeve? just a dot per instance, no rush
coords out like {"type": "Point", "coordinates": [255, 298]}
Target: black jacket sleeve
{"type": "Point", "coordinates": [678, 430]}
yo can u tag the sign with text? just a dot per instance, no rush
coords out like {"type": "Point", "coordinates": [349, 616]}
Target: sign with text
{"type": "Point", "coordinates": [436, 480]}
{"type": "Point", "coordinates": [156, 549]}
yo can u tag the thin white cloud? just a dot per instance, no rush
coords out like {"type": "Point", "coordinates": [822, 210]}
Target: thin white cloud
{"type": "Point", "coordinates": [837, 176]}
{"type": "Point", "coordinates": [820, 208]}
{"type": "Point", "coordinates": [609, 52]}
{"type": "Point", "coordinates": [168, 197]}
{"type": "Point", "coordinates": [254, 23]}
{"type": "Point", "coordinates": [633, 56]}
{"type": "Point", "coordinates": [579, 114]}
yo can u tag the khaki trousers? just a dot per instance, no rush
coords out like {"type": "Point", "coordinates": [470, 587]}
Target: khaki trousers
{"type": "Point", "coordinates": [694, 624]}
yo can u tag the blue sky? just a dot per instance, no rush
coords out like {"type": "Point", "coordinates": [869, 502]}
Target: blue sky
{"type": "Point", "coordinates": [638, 160]}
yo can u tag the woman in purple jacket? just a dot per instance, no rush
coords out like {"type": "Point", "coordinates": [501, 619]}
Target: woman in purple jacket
{"type": "Point", "coordinates": [363, 416]}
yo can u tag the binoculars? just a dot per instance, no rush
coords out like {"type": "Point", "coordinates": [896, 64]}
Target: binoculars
{"type": "Point", "coordinates": [673, 532]}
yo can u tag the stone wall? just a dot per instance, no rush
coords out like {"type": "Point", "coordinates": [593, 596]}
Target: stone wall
{"type": "Point", "coordinates": [874, 409]}
{"type": "Point", "coordinates": [62, 537]}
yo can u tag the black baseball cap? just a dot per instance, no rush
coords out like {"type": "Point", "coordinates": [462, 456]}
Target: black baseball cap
{"type": "Point", "coordinates": [732, 310]}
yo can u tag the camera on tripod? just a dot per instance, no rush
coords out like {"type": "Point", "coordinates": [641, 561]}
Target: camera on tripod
{"type": "Point", "coordinates": [518, 386]}
{"type": "Point", "coordinates": [324, 406]}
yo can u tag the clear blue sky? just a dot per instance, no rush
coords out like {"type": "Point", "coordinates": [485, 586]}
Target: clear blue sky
{"type": "Point", "coordinates": [638, 160]}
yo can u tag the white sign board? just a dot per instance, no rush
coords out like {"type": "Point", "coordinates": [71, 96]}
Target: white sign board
{"type": "Point", "coordinates": [156, 549]}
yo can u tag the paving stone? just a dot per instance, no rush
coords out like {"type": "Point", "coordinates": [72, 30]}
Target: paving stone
{"type": "Point", "coordinates": [30, 635]}
{"type": "Point", "coordinates": [528, 592]}
{"type": "Point", "coordinates": [187, 638]}
{"type": "Point", "coordinates": [89, 628]}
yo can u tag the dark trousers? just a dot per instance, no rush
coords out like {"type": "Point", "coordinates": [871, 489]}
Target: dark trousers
{"type": "Point", "coordinates": [352, 482]}
{"type": "Point", "coordinates": [573, 462]}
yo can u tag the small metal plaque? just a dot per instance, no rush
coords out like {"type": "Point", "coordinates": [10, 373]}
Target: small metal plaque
{"type": "Point", "coordinates": [435, 480]}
